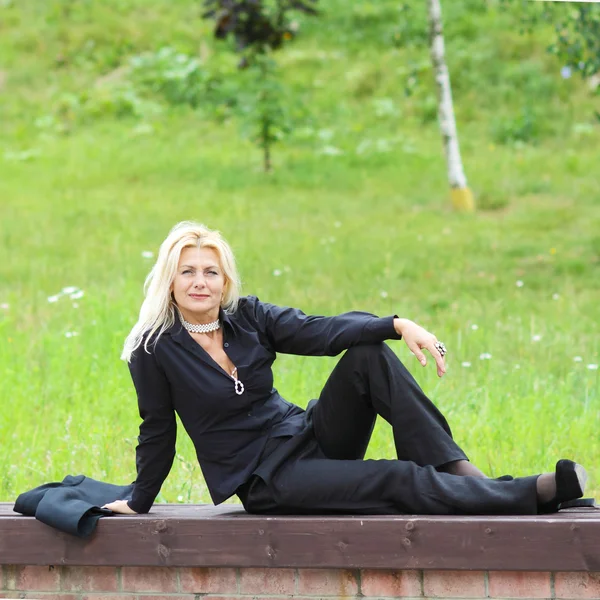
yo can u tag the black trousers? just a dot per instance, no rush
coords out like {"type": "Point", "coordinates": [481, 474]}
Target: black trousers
{"type": "Point", "coordinates": [323, 469]}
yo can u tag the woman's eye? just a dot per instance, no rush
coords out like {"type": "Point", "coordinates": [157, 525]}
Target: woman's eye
{"type": "Point", "coordinates": [212, 273]}
{"type": "Point", "coordinates": [186, 272]}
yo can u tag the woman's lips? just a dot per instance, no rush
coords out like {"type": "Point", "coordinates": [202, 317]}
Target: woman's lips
{"type": "Point", "coordinates": [199, 296]}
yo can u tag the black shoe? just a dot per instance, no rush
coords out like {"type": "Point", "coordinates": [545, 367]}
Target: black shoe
{"type": "Point", "coordinates": [570, 484]}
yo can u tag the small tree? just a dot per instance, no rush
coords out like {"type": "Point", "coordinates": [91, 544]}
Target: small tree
{"type": "Point", "coordinates": [461, 195]}
{"type": "Point", "coordinates": [259, 27]}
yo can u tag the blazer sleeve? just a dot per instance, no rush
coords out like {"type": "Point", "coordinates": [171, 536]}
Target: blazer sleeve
{"type": "Point", "coordinates": [290, 331]}
{"type": "Point", "coordinates": [155, 451]}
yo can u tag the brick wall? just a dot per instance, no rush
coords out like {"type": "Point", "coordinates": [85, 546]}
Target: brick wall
{"type": "Point", "coordinates": [152, 583]}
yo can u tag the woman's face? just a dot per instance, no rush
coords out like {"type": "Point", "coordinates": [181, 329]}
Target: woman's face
{"type": "Point", "coordinates": [199, 284]}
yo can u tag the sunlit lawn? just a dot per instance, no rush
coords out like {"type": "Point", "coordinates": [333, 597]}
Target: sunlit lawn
{"type": "Point", "coordinates": [512, 292]}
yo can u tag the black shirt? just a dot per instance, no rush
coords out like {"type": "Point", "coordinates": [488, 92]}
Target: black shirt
{"type": "Point", "coordinates": [229, 431]}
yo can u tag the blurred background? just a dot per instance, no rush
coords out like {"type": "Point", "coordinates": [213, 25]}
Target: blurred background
{"type": "Point", "coordinates": [308, 133]}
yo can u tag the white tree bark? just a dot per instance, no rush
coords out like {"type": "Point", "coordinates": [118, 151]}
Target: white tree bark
{"type": "Point", "coordinates": [456, 174]}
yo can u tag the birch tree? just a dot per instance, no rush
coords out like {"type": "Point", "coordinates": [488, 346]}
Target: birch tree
{"type": "Point", "coordinates": [460, 194]}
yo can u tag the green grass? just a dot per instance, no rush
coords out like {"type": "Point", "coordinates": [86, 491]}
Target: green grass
{"type": "Point", "coordinates": [370, 230]}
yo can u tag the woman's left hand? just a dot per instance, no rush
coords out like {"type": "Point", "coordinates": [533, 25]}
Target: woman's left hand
{"type": "Point", "coordinates": [417, 338]}
{"type": "Point", "coordinates": [120, 506]}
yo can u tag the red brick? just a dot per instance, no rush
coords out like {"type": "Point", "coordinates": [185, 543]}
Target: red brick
{"type": "Point", "coordinates": [148, 579]}
{"type": "Point", "coordinates": [577, 585]}
{"type": "Point", "coordinates": [267, 581]}
{"type": "Point", "coordinates": [198, 580]}
{"type": "Point", "coordinates": [89, 579]}
{"type": "Point", "coordinates": [390, 583]}
{"type": "Point", "coordinates": [454, 584]}
{"type": "Point", "coordinates": [113, 597]}
{"type": "Point", "coordinates": [157, 597]}
{"type": "Point", "coordinates": [29, 578]}
{"type": "Point", "coordinates": [519, 584]}
{"type": "Point", "coordinates": [232, 598]}
{"type": "Point", "coordinates": [327, 582]}
{"type": "Point", "coordinates": [38, 596]}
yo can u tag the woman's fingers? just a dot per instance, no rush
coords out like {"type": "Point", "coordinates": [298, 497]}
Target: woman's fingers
{"type": "Point", "coordinates": [430, 347]}
{"type": "Point", "coordinates": [416, 350]}
{"type": "Point", "coordinates": [417, 338]}
{"type": "Point", "coordinates": [439, 359]}
{"type": "Point", "coordinates": [120, 506]}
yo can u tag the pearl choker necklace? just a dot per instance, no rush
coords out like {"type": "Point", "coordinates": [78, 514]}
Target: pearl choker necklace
{"type": "Point", "coordinates": [205, 328]}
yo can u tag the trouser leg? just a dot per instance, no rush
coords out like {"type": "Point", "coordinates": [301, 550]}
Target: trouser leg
{"type": "Point", "coordinates": [320, 485]}
{"type": "Point", "coordinates": [369, 381]}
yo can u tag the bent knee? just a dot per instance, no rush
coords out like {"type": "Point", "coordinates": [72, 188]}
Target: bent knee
{"type": "Point", "coordinates": [365, 350]}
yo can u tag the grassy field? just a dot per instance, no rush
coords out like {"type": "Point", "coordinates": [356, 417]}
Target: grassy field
{"type": "Point", "coordinates": [355, 216]}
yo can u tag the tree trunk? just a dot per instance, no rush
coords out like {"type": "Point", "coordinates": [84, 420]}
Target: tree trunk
{"type": "Point", "coordinates": [266, 144]}
{"type": "Point", "coordinates": [461, 195]}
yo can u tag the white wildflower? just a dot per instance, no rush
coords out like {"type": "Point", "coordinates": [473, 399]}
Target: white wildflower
{"type": "Point", "coordinates": [70, 334]}
{"type": "Point", "coordinates": [75, 305]}
{"type": "Point", "coordinates": [485, 356]}
{"type": "Point", "coordinates": [519, 283]}
{"type": "Point", "coordinates": [69, 290]}
{"type": "Point", "coordinates": [331, 151]}
{"type": "Point", "coordinates": [5, 306]}
{"type": "Point", "coordinates": [474, 327]}
{"type": "Point", "coordinates": [536, 338]}
{"type": "Point", "coordinates": [577, 359]}
{"type": "Point", "coordinates": [277, 272]}
{"type": "Point", "coordinates": [77, 295]}
{"type": "Point", "coordinates": [517, 366]}
{"type": "Point", "coordinates": [147, 254]}
{"type": "Point", "coordinates": [52, 299]}
{"type": "Point", "coordinates": [383, 294]}
{"type": "Point", "coordinates": [592, 367]}
{"type": "Point", "coordinates": [555, 296]}
{"type": "Point", "coordinates": [466, 364]}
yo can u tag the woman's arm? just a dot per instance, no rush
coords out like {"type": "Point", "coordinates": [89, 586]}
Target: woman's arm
{"type": "Point", "coordinates": [291, 331]}
{"type": "Point", "coordinates": [158, 431]}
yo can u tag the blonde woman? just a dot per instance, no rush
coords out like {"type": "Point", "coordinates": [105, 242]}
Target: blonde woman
{"type": "Point", "coordinates": [201, 350]}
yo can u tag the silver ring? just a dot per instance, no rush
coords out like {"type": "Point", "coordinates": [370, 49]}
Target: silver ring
{"type": "Point", "coordinates": [441, 348]}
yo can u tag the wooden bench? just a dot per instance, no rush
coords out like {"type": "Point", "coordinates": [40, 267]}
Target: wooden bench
{"type": "Point", "coordinates": [185, 550]}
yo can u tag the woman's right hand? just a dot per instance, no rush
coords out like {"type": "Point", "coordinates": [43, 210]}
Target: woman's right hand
{"type": "Point", "coordinates": [416, 339]}
{"type": "Point", "coordinates": [121, 507]}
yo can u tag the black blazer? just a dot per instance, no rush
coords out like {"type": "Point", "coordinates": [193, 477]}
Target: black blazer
{"type": "Point", "coordinates": [230, 430]}
{"type": "Point", "coordinates": [72, 505]}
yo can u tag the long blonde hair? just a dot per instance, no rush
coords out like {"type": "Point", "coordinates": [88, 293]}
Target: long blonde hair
{"type": "Point", "coordinates": [157, 313]}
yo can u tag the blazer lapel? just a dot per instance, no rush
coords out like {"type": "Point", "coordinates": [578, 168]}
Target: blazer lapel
{"type": "Point", "coordinates": [181, 336]}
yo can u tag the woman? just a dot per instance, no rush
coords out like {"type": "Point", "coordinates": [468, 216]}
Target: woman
{"type": "Point", "coordinates": [203, 351]}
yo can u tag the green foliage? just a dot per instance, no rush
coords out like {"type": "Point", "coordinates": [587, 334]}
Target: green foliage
{"type": "Point", "coordinates": [119, 100]}
{"type": "Point", "coordinates": [176, 76]}
{"type": "Point", "coordinates": [576, 26]}
{"type": "Point", "coordinates": [520, 127]}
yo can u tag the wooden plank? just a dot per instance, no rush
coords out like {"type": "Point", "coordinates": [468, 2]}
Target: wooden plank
{"type": "Point", "coordinates": [225, 536]}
